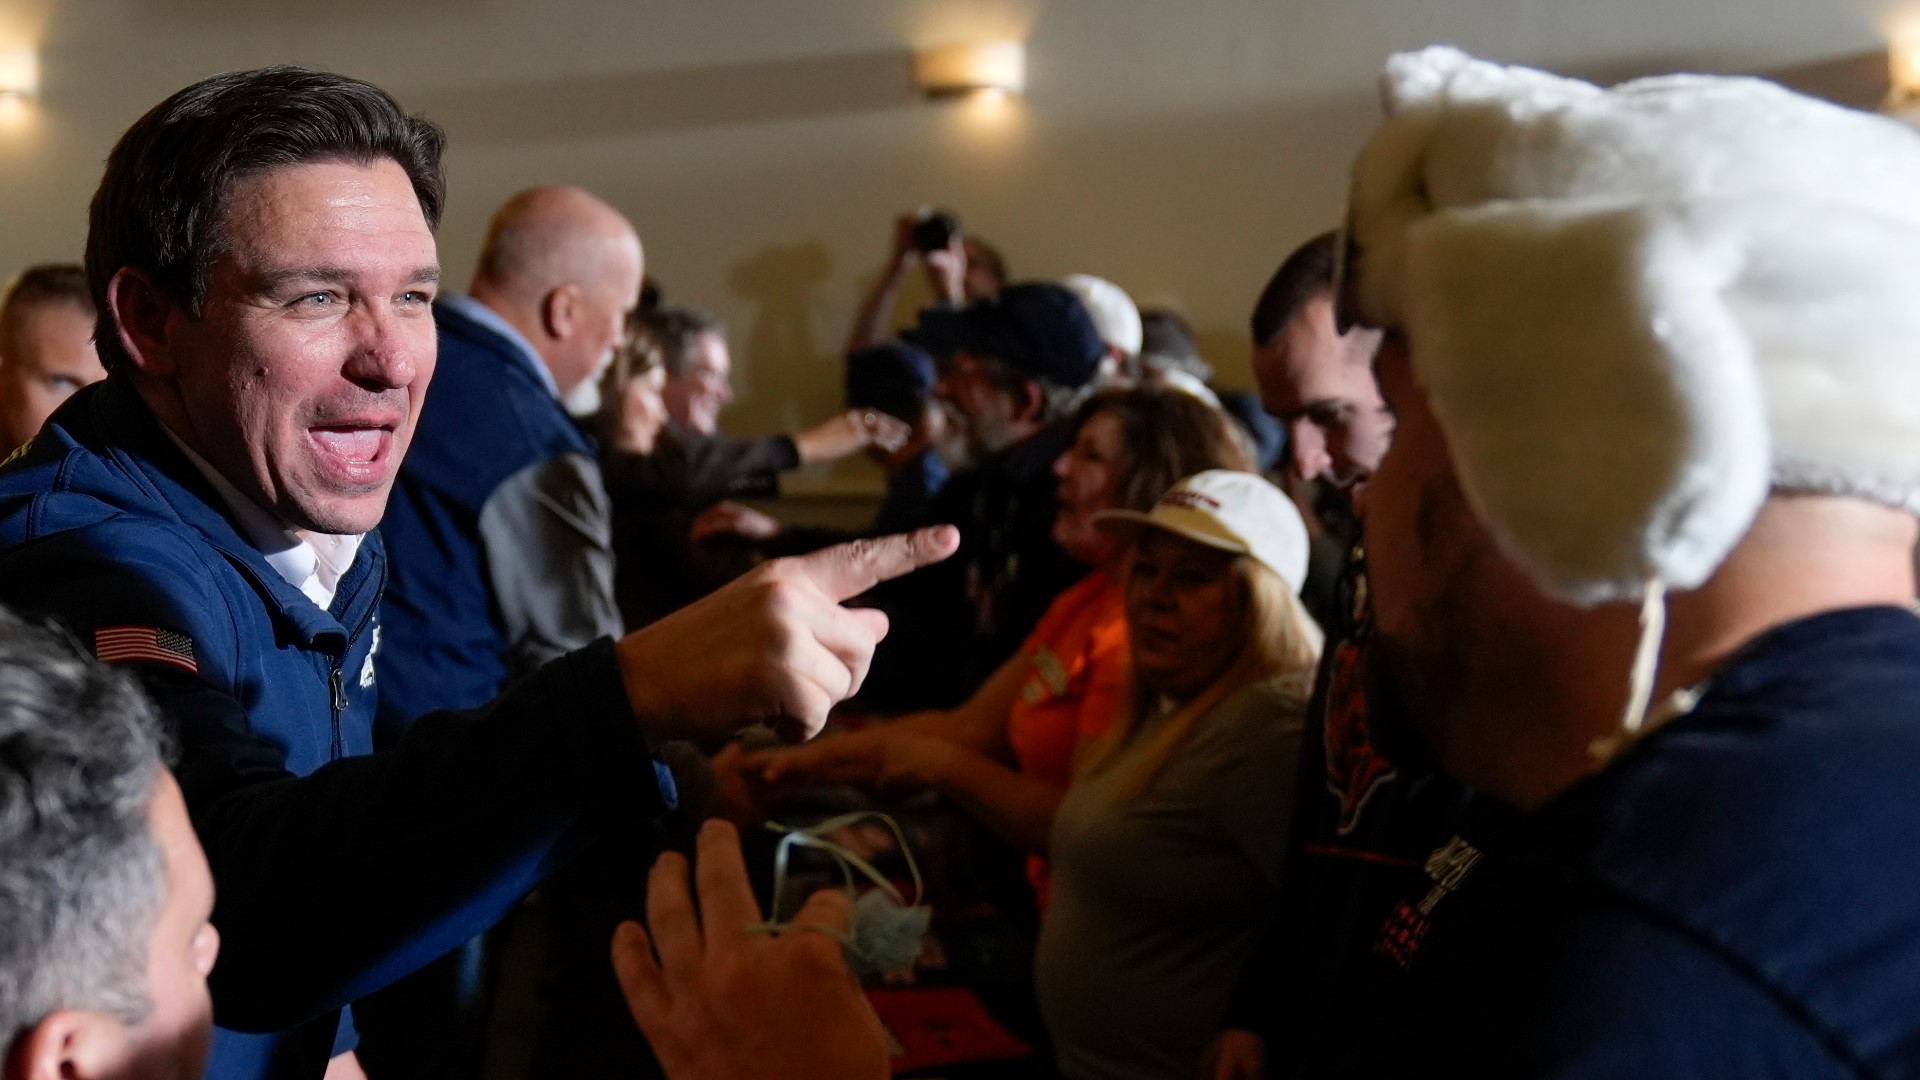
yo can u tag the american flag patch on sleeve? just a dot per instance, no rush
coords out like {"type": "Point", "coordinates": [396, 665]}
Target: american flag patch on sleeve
{"type": "Point", "coordinates": [124, 644]}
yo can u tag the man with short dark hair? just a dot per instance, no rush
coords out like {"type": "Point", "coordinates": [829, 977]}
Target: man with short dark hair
{"type": "Point", "coordinates": [104, 893]}
{"type": "Point", "coordinates": [1314, 378]}
{"type": "Point", "coordinates": [46, 348]}
{"type": "Point", "coordinates": [1370, 802]}
{"type": "Point", "coordinates": [261, 248]}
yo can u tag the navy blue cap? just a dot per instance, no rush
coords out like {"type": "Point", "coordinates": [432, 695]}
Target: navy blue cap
{"type": "Point", "coordinates": [893, 377]}
{"type": "Point", "coordinates": [1038, 328]}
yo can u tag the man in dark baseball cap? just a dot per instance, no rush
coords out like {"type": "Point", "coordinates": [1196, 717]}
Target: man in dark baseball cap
{"type": "Point", "coordinates": [1035, 332]}
{"type": "Point", "coordinates": [1012, 368]}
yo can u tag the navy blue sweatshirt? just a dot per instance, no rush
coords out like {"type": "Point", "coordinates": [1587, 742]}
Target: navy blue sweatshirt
{"type": "Point", "coordinates": [338, 869]}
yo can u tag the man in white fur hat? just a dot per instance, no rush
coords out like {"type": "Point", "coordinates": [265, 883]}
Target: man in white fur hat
{"type": "Point", "coordinates": [1640, 555]}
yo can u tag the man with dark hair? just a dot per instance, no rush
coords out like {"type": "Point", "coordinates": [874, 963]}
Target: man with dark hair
{"type": "Point", "coordinates": [1371, 804]}
{"type": "Point", "coordinates": [104, 893]}
{"type": "Point", "coordinates": [46, 348]}
{"type": "Point", "coordinates": [1315, 379]}
{"type": "Point", "coordinates": [262, 251]}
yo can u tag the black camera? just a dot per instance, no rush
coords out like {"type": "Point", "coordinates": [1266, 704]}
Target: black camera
{"type": "Point", "coordinates": [934, 231]}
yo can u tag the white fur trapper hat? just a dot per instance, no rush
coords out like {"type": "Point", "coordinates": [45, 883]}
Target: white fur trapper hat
{"type": "Point", "coordinates": [1636, 310]}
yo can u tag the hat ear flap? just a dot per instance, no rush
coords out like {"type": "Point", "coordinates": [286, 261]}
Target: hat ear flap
{"type": "Point", "coordinates": [1601, 403]}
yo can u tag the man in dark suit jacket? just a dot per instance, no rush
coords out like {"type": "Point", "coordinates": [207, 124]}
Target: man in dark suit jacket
{"type": "Point", "coordinates": [498, 529]}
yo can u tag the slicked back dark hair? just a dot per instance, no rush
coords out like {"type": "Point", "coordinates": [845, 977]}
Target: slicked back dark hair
{"type": "Point", "coordinates": [1307, 273]}
{"type": "Point", "coordinates": [161, 206]}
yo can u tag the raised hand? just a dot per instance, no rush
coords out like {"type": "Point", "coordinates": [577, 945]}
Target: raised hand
{"type": "Point", "coordinates": [725, 1002]}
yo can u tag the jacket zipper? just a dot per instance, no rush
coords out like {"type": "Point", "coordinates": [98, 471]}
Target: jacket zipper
{"type": "Point", "coordinates": [337, 679]}
{"type": "Point", "coordinates": [338, 685]}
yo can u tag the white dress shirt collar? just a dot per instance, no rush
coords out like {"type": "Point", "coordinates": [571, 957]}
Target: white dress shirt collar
{"type": "Point", "coordinates": [312, 562]}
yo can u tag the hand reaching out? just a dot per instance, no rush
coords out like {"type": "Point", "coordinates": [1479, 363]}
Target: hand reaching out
{"type": "Point", "coordinates": [849, 433]}
{"type": "Point", "coordinates": [733, 519]}
{"type": "Point", "coordinates": [725, 1002]}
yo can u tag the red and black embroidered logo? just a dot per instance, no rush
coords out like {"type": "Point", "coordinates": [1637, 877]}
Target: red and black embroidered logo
{"type": "Point", "coordinates": [1192, 500]}
{"type": "Point", "coordinates": [1407, 925]}
{"type": "Point", "coordinates": [1355, 767]}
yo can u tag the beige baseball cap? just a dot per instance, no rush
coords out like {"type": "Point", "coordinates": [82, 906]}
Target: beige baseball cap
{"type": "Point", "coordinates": [1233, 511]}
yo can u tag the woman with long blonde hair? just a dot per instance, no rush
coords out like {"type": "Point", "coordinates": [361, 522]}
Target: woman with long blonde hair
{"type": "Point", "coordinates": [1167, 847]}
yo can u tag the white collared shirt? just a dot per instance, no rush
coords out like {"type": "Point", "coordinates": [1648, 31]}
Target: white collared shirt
{"type": "Point", "coordinates": [312, 562]}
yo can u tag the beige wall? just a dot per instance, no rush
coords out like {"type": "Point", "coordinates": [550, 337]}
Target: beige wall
{"type": "Point", "coordinates": [762, 146]}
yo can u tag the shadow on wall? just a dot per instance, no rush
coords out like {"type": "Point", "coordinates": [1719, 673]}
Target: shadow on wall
{"type": "Point", "coordinates": [781, 364]}
{"type": "Point", "coordinates": [639, 102]}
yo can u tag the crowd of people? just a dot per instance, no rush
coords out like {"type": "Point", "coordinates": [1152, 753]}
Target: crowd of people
{"type": "Point", "coordinates": [1525, 687]}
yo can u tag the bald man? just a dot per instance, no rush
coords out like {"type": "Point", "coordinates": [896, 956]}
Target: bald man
{"type": "Point", "coordinates": [498, 530]}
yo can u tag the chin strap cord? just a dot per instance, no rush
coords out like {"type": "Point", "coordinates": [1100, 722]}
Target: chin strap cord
{"type": "Point", "coordinates": [1646, 656]}
{"type": "Point", "coordinates": [1638, 719]}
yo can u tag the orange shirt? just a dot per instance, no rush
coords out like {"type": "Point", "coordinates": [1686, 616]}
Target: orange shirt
{"type": "Point", "coordinates": [1078, 653]}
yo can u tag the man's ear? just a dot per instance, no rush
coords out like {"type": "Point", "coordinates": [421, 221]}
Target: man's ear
{"type": "Point", "coordinates": [71, 1044]}
{"type": "Point", "coordinates": [560, 311]}
{"type": "Point", "coordinates": [1030, 402]}
{"type": "Point", "coordinates": [141, 309]}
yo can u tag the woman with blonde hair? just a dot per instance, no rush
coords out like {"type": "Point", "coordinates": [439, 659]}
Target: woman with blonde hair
{"type": "Point", "coordinates": [1167, 847]}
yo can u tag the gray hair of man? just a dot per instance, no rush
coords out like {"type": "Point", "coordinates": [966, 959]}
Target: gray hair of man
{"type": "Point", "coordinates": [1057, 401]}
{"type": "Point", "coordinates": [675, 332]}
{"type": "Point", "coordinates": [82, 879]}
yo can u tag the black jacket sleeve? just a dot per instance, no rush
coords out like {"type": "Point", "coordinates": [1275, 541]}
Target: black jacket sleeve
{"type": "Point", "coordinates": [336, 883]}
{"type": "Point", "coordinates": [694, 472]}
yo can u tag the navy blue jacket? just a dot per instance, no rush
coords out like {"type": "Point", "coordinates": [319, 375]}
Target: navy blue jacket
{"type": "Point", "coordinates": [1734, 896]}
{"type": "Point", "coordinates": [338, 869]}
{"type": "Point", "coordinates": [499, 533]}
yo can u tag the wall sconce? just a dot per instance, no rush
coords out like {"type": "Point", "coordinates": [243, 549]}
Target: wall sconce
{"type": "Point", "coordinates": [1903, 77]}
{"type": "Point", "coordinates": [949, 71]}
{"type": "Point", "coordinates": [19, 72]}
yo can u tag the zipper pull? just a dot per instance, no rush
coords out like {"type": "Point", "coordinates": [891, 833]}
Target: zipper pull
{"type": "Point", "coordinates": [339, 691]}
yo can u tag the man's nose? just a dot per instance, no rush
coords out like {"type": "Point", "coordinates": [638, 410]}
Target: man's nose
{"type": "Point", "coordinates": [384, 350]}
{"type": "Point", "coordinates": [1307, 445]}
